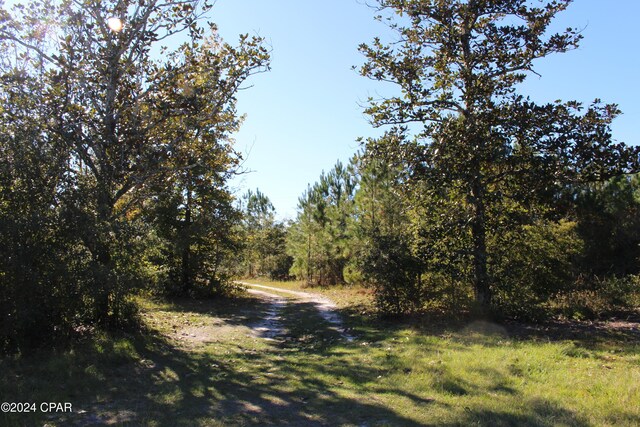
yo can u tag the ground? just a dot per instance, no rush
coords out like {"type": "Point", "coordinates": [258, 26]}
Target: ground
{"type": "Point", "coordinates": [273, 359]}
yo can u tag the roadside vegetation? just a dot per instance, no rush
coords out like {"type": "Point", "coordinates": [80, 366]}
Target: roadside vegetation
{"type": "Point", "coordinates": [484, 251]}
{"type": "Point", "coordinates": [476, 198]}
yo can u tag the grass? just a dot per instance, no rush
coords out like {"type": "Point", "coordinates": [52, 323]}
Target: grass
{"type": "Point", "coordinates": [199, 364]}
{"type": "Point", "coordinates": [346, 297]}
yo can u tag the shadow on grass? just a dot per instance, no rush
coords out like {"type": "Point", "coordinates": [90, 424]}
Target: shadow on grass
{"type": "Point", "coordinates": [622, 337]}
{"type": "Point", "coordinates": [306, 377]}
{"type": "Point", "coordinates": [541, 413]}
{"type": "Point", "coordinates": [153, 380]}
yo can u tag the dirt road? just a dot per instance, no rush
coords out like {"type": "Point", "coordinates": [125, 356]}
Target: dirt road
{"type": "Point", "coordinates": [269, 327]}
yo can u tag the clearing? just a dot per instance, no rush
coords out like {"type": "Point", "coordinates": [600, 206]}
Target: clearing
{"type": "Point", "coordinates": [275, 356]}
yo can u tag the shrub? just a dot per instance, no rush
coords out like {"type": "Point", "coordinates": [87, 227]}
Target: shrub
{"type": "Point", "coordinates": [395, 275]}
{"type": "Point", "coordinates": [533, 264]}
{"type": "Point", "coordinates": [597, 297]}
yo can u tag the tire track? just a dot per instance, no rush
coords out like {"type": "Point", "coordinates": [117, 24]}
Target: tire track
{"type": "Point", "coordinates": [326, 308]}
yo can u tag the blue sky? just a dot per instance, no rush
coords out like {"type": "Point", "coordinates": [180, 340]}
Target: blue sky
{"type": "Point", "coordinates": [304, 114]}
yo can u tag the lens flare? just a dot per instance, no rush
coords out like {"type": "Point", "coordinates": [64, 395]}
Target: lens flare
{"type": "Point", "coordinates": [115, 24]}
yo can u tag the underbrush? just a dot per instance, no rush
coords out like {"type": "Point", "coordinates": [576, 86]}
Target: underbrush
{"type": "Point", "coordinates": [599, 298]}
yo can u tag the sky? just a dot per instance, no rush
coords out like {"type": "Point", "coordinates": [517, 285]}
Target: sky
{"type": "Point", "coordinates": [306, 113]}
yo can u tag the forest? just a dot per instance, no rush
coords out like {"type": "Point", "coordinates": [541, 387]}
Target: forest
{"type": "Point", "coordinates": [117, 126]}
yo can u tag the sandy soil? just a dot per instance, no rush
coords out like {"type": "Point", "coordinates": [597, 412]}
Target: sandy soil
{"type": "Point", "coordinates": [268, 328]}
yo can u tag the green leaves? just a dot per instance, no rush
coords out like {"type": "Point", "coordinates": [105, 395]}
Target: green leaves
{"type": "Point", "coordinates": [487, 159]}
{"type": "Point", "coordinates": [319, 238]}
{"type": "Point", "coordinates": [264, 248]}
{"type": "Point", "coordinates": [118, 132]}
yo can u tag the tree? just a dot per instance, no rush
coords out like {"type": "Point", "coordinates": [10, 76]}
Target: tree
{"type": "Point", "coordinates": [195, 224]}
{"type": "Point", "coordinates": [457, 64]}
{"type": "Point", "coordinates": [319, 238]}
{"type": "Point", "coordinates": [39, 262]}
{"type": "Point", "coordinates": [380, 236]}
{"type": "Point", "coordinates": [301, 237]}
{"type": "Point", "coordinates": [129, 120]}
{"type": "Point", "coordinates": [264, 238]}
{"type": "Point", "coordinates": [608, 217]}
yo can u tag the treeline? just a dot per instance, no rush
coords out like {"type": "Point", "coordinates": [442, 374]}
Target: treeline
{"type": "Point", "coordinates": [476, 194]}
{"type": "Point", "coordinates": [113, 164]}
{"type": "Point", "coordinates": [262, 253]}
{"type": "Point", "coordinates": [369, 224]}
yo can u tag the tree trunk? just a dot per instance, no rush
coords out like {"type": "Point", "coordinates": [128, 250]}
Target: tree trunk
{"type": "Point", "coordinates": [186, 251]}
{"type": "Point", "coordinates": [105, 296]}
{"type": "Point", "coordinates": [308, 253]}
{"type": "Point", "coordinates": [102, 256]}
{"type": "Point", "coordinates": [482, 287]}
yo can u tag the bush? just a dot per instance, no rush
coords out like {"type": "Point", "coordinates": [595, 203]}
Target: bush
{"type": "Point", "coordinates": [352, 274]}
{"type": "Point", "coordinates": [445, 292]}
{"type": "Point", "coordinates": [278, 266]}
{"type": "Point", "coordinates": [395, 274]}
{"type": "Point", "coordinates": [595, 297]}
{"type": "Point", "coordinates": [609, 223]}
{"type": "Point", "coordinates": [533, 264]}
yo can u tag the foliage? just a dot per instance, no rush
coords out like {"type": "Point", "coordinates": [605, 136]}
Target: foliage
{"type": "Point", "coordinates": [478, 146]}
{"type": "Point", "coordinates": [195, 234]}
{"type": "Point", "coordinates": [278, 263]}
{"type": "Point", "coordinates": [380, 239]}
{"type": "Point", "coordinates": [594, 297]}
{"type": "Point", "coordinates": [264, 252]}
{"type": "Point", "coordinates": [96, 132]}
{"type": "Point", "coordinates": [534, 265]}
{"type": "Point", "coordinates": [395, 274]}
{"type": "Point", "coordinates": [319, 238]}
{"type": "Point", "coordinates": [609, 222]}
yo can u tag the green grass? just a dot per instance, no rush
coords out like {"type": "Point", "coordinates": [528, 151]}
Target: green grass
{"type": "Point", "coordinates": [199, 364]}
{"type": "Point", "coordinates": [348, 297]}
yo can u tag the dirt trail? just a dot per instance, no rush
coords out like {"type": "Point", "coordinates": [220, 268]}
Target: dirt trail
{"type": "Point", "coordinates": [269, 327]}
{"type": "Point", "coordinates": [326, 308]}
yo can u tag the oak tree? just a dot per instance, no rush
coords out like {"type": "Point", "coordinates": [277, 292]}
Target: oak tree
{"type": "Point", "coordinates": [125, 101]}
